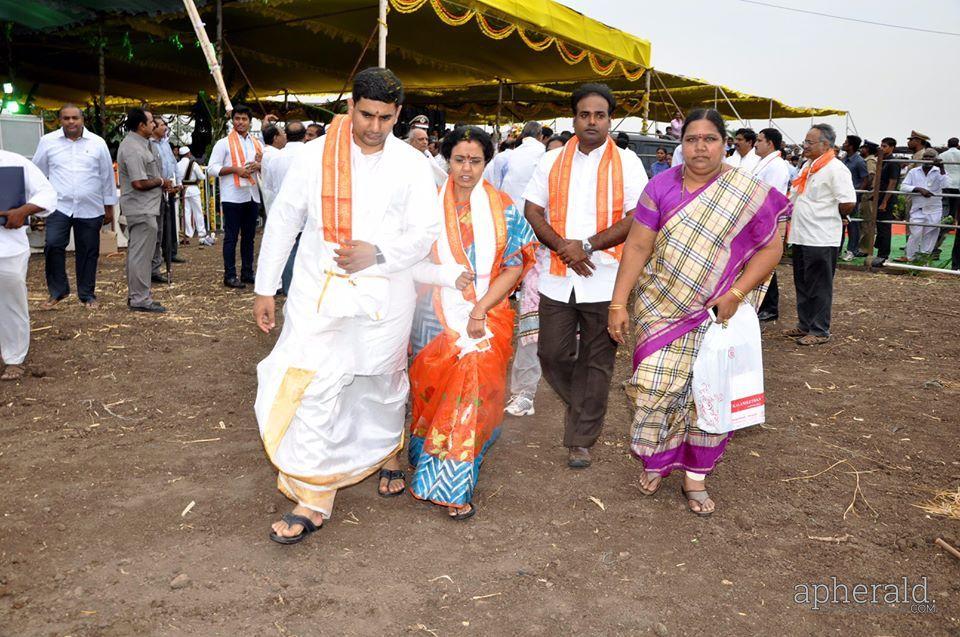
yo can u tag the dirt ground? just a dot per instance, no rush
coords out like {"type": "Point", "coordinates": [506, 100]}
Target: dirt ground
{"type": "Point", "coordinates": [130, 456]}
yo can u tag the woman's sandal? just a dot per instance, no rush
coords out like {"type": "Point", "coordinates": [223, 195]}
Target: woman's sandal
{"type": "Point", "coordinates": [654, 490]}
{"type": "Point", "coordinates": [465, 515]}
{"type": "Point", "coordinates": [699, 496]}
{"type": "Point", "coordinates": [291, 519]}
{"type": "Point", "coordinates": [390, 476]}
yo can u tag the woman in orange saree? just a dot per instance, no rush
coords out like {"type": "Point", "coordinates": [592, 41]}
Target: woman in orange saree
{"type": "Point", "coordinates": [458, 377]}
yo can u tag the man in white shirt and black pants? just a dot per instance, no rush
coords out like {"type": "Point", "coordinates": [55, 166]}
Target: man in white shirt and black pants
{"type": "Point", "coordinates": [236, 160]}
{"type": "Point", "coordinates": [38, 198]}
{"type": "Point", "coordinates": [823, 198]}
{"type": "Point", "coordinates": [580, 268]}
{"type": "Point", "coordinates": [773, 171]}
{"type": "Point", "coordinates": [78, 164]}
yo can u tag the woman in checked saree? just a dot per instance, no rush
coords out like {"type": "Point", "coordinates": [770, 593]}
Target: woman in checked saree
{"type": "Point", "coordinates": [463, 334]}
{"type": "Point", "coordinates": [704, 236]}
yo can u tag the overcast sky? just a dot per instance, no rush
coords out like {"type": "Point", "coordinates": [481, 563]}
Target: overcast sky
{"type": "Point", "coordinates": [891, 80]}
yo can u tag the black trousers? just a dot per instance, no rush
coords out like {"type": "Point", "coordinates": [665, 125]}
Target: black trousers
{"type": "Point", "coordinates": [86, 252]}
{"type": "Point", "coordinates": [813, 270]}
{"type": "Point", "coordinates": [771, 300]}
{"type": "Point", "coordinates": [239, 220]}
{"type": "Point", "coordinates": [884, 233]}
{"type": "Point", "coordinates": [579, 373]}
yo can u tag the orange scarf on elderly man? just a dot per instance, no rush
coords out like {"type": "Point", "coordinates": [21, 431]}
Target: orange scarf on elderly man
{"type": "Point", "coordinates": [237, 158]}
{"type": "Point", "coordinates": [800, 183]}
{"type": "Point", "coordinates": [609, 195]}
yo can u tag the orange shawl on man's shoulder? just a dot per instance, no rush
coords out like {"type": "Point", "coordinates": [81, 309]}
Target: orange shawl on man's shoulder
{"type": "Point", "coordinates": [609, 195]}
{"type": "Point", "coordinates": [335, 194]}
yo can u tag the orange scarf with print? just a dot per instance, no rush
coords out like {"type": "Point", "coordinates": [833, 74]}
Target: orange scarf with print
{"type": "Point", "coordinates": [609, 179]}
{"type": "Point", "coordinates": [336, 196]}
{"type": "Point", "coordinates": [237, 159]}
{"type": "Point", "coordinates": [800, 183]}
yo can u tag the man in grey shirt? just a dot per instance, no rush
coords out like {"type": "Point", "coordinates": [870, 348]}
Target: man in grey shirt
{"type": "Point", "coordinates": [141, 187]}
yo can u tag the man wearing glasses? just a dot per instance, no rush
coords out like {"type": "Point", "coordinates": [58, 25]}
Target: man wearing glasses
{"type": "Point", "coordinates": [823, 198]}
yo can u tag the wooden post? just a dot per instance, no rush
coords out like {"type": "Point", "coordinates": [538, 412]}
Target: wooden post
{"type": "Point", "coordinates": [646, 106]}
{"type": "Point", "coordinates": [382, 23]}
{"type": "Point", "coordinates": [209, 53]}
{"type": "Point", "coordinates": [770, 121]}
{"type": "Point", "coordinates": [103, 86]}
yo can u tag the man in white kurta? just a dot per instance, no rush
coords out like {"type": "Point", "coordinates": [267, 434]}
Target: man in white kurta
{"type": "Point", "coordinates": [744, 155]}
{"type": "Point", "coordinates": [772, 170]}
{"type": "Point", "coordinates": [925, 183]}
{"type": "Point", "coordinates": [191, 176]}
{"type": "Point", "coordinates": [332, 394]}
{"type": "Point", "coordinates": [38, 198]}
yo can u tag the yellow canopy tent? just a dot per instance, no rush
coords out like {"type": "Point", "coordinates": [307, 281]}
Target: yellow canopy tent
{"type": "Point", "coordinates": [310, 46]}
{"type": "Point", "coordinates": [667, 92]}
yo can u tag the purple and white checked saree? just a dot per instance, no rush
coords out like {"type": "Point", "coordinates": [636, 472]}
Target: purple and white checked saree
{"type": "Point", "coordinates": [704, 240]}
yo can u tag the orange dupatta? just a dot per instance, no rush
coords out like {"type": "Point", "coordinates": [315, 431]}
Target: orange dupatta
{"type": "Point", "coordinates": [237, 158]}
{"type": "Point", "coordinates": [335, 195]}
{"type": "Point", "coordinates": [800, 183]}
{"type": "Point", "coordinates": [609, 175]}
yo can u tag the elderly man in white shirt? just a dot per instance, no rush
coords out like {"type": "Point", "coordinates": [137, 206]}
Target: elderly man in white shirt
{"type": "Point", "coordinates": [823, 197]}
{"type": "Point", "coordinates": [236, 160]}
{"type": "Point", "coordinates": [744, 155]}
{"type": "Point", "coordinates": [25, 191]}
{"type": "Point", "coordinates": [77, 163]}
{"type": "Point", "coordinates": [579, 203]}
{"type": "Point", "coordinates": [925, 183]}
{"type": "Point", "coordinates": [951, 167]}
{"type": "Point", "coordinates": [772, 170]}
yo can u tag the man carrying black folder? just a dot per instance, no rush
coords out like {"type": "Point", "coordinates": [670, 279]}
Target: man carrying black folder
{"type": "Point", "coordinates": [24, 191]}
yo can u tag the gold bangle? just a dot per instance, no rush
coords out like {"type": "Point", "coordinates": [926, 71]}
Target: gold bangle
{"type": "Point", "coordinates": [737, 293]}
{"type": "Point", "coordinates": [616, 306]}
{"type": "Point", "coordinates": [482, 318]}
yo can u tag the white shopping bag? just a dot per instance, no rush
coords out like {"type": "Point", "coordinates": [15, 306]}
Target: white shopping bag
{"type": "Point", "coordinates": [728, 374]}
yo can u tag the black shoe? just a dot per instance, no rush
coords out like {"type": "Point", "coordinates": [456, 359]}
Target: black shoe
{"type": "Point", "coordinates": [248, 279]}
{"type": "Point", "coordinates": [767, 316]}
{"type": "Point", "coordinates": [878, 261]}
{"type": "Point", "coordinates": [155, 308]}
{"type": "Point", "coordinates": [159, 278]}
{"type": "Point", "coordinates": [233, 283]}
{"type": "Point", "coordinates": [178, 259]}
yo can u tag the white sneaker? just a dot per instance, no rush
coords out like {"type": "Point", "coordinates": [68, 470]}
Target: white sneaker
{"type": "Point", "coordinates": [848, 256]}
{"type": "Point", "coordinates": [520, 405]}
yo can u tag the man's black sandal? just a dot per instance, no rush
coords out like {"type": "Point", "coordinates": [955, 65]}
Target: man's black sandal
{"type": "Point", "coordinates": [390, 476]}
{"type": "Point", "coordinates": [291, 519]}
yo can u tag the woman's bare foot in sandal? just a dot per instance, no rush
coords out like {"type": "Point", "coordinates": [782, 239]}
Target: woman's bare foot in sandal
{"type": "Point", "coordinates": [698, 501]}
{"type": "Point", "coordinates": [461, 512]}
{"type": "Point", "coordinates": [650, 482]}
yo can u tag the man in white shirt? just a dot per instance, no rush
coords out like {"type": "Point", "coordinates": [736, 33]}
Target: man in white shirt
{"type": "Point", "coordinates": [744, 154]}
{"type": "Point", "coordinates": [823, 197]}
{"type": "Point", "coordinates": [772, 170]}
{"type": "Point", "coordinates": [274, 141]}
{"type": "Point", "coordinates": [77, 163]}
{"type": "Point", "coordinates": [191, 176]}
{"type": "Point", "coordinates": [332, 395]}
{"type": "Point", "coordinates": [581, 228]}
{"type": "Point", "coordinates": [38, 198]}
{"type": "Point", "coordinates": [525, 373]}
{"type": "Point", "coordinates": [275, 172]}
{"type": "Point", "coordinates": [236, 160]}
{"type": "Point", "coordinates": [419, 139]}
{"type": "Point", "coordinates": [925, 183]}
{"type": "Point", "coordinates": [951, 166]}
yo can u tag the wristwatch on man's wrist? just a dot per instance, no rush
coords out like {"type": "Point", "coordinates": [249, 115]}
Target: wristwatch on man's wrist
{"type": "Point", "coordinates": [587, 247]}
{"type": "Point", "coordinates": [380, 258]}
